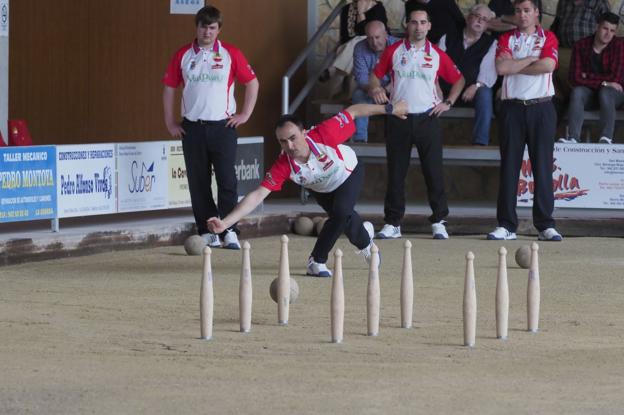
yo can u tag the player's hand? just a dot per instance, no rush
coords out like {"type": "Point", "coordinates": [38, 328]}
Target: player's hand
{"type": "Point", "coordinates": [400, 109]}
{"type": "Point", "coordinates": [469, 93]}
{"type": "Point", "coordinates": [236, 120]}
{"type": "Point", "coordinates": [216, 225]}
{"type": "Point", "coordinates": [175, 130]}
{"type": "Point", "coordinates": [439, 109]}
{"type": "Point", "coordinates": [379, 95]}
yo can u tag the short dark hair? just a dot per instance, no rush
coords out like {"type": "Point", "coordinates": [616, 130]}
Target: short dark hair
{"type": "Point", "coordinates": [208, 15]}
{"type": "Point", "coordinates": [417, 8]}
{"type": "Point", "coordinates": [289, 118]}
{"type": "Point", "coordinates": [536, 3]}
{"type": "Point", "coordinates": [609, 17]}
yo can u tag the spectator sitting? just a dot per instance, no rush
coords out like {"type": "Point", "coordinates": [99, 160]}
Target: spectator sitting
{"type": "Point", "coordinates": [574, 20]}
{"type": "Point", "coordinates": [445, 16]}
{"type": "Point", "coordinates": [353, 19]}
{"type": "Point", "coordinates": [365, 56]}
{"type": "Point", "coordinates": [597, 74]}
{"type": "Point", "coordinates": [473, 52]}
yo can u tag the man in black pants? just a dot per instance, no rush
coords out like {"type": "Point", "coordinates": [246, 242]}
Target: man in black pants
{"type": "Point", "coordinates": [317, 160]}
{"type": "Point", "coordinates": [207, 69]}
{"type": "Point", "coordinates": [526, 57]}
{"type": "Point", "coordinates": [414, 65]}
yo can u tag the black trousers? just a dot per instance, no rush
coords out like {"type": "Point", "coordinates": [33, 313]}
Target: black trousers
{"type": "Point", "coordinates": [533, 125]}
{"type": "Point", "coordinates": [422, 131]}
{"type": "Point", "coordinates": [210, 145]}
{"type": "Point", "coordinates": [339, 206]}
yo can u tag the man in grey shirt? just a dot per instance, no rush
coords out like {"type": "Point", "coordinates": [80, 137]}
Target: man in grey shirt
{"type": "Point", "coordinates": [365, 57]}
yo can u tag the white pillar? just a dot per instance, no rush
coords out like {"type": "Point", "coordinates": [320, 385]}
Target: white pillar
{"type": "Point", "coordinates": [4, 67]}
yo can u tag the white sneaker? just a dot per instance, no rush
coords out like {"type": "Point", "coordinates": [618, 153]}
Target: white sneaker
{"type": "Point", "coordinates": [549, 234]}
{"type": "Point", "coordinates": [501, 234]}
{"type": "Point", "coordinates": [389, 232]}
{"type": "Point", "coordinates": [316, 269]}
{"type": "Point", "coordinates": [212, 240]}
{"type": "Point", "coordinates": [231, 240]}
{"type": "Point", "coordinates": [570, 140]}
{"type": "Point", "coordinates": [605, 140]}
{"type": "Point", "coordinates": [439, 230]}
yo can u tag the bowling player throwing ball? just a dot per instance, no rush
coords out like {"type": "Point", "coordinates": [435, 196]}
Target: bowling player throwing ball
{"type": "Point", "coordinates": [318, 160]}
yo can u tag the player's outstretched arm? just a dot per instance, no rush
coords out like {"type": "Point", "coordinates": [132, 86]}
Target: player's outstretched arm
{"type": "Point", "coordinates": [366, 110]}
{"type": "Point", "coordinates": [249, 203]}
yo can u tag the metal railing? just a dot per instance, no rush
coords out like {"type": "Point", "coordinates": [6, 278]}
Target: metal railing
{"type": "Point", "coordinates": [290, 107]}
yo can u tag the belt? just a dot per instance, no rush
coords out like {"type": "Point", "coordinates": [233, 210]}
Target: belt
{"type": "Point", "coordinates": [527, 102]}
{"type": "Point", "coordinates": [206, 122]}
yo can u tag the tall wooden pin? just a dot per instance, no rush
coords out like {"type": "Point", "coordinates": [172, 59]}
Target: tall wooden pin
{"type": "Point", "coordinates": [407, 288]}
{"type": "Point", "coordinates": [470, 303]}
{"type": "Point", "coordinates": [206, 298]}
{"type": "Point", "coordinates": [245, 291]}
{"type": "Point", "coordinates": [502, 296]}
{"type": "Point", "coordinates": [337, 300]}
{"type": "Point", "coordinates": [533, 291]}
{"type": "Point", "coordinates": [283, 285]}
{"type": "Point", "coordinates": [372, 293]}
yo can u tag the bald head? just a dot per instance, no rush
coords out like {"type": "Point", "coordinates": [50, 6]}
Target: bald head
{"type": "Point", "coordinates": [376, 35]}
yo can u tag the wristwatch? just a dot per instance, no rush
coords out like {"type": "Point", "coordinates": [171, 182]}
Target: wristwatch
{"type": "Point", "coordinates": [389, 108]}
{"type": "Point", "coordinates": [448, 102]}
{"type": "Point", "coordinates": [478, 84]}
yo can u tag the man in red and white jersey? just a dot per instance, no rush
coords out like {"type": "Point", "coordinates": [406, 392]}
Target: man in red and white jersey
{"type": "Point", "coordinates": [207, 69]}
{"type": "Point", "coordinates": [526, 57]}
{"type": "Point", "coordinates": [317, 160]}
{"type": "Point", "coordinates": [414, 66]}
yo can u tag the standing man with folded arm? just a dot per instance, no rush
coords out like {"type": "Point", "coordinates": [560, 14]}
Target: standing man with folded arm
{"type": "Point", "coordinates": [526, 57]}
{"type": "Point", "coordinates": [207, 69]}
{"type": "Point", "coordinates": [414, 65]}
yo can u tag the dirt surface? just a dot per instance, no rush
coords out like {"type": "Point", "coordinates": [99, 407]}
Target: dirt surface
{"type": "Point", "coordinates": [117, 333]}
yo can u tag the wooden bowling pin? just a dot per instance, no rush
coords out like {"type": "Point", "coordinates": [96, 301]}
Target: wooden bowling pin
{"type": "Point", "coordinates": [245, 291]}
{"type": "Point", "coordinates": [206, 298]}
{"type": "Point", "coordinates": [372, 293]}
{"type": "Point", "coordinates": [502, 296]}
{"type": "Point", "coordinates": [337, 300]}
{"type": "Point", "coordinates": [283, 285]}
{"type": "Point", "coordinates": [470, 303]}
{"type": "Point", "coordinates": [533, 291]}
{"type": "Point", "coordinates": [407, 288]}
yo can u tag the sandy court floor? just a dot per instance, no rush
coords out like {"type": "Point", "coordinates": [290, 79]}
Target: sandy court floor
{"type": "Point", "coordinates": [117, 333]}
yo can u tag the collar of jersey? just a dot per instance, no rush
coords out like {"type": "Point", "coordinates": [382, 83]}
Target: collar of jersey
{"type": "Point", "coordinates": [215, 47]}
{"type": "Point", "coordinates": [539, 31]}
{"type": "Point", "coordinates": [426, 47]}
{"type": "Point", "coordinates": [313, 148]}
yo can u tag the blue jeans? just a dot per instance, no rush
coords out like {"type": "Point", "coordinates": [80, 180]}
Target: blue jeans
{"type": "Point", "coordinates": [361, 123]}
{"type": "Point", "coordinates": [484, 108]}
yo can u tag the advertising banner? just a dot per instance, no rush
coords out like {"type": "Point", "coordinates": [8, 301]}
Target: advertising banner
{"type": "Point", "coordinates": [86, 180]}
{"type": "Point", "coordinates": [249, 164]}
{"type": "Point", "coordinates": [584, 176]}
{"type": "Point", "coordinates": [142, 176]}
{"type": "Point", "coordinates": [27, 183]}
{"type": "Point", "coordinates": [179, 195]}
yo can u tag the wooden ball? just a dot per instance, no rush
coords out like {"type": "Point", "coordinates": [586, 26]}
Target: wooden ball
{"type": "Point", "coordinates": [303, 226]}
{"type": "Point", "coordinates": [294, 290]}
{"type": "Point", "coordinates": [523, 256]}
{"type": "Point", "coordinates": [194, 245]}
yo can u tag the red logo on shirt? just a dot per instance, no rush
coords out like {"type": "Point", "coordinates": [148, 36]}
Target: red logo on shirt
{"type": "Point", "coordinates": [217, 57]}
{"type": "Point", "coordinates": [321, 157]}
{"type": "Point", "coordinates": [328, 165]}
{"type": "Point", "coordinates": [269, 178]}
{"type": "Point", "coordinates": [217, 66]}
{"type": "Point", "coordinates": [428, 58]}
{"type": "Point", "coordinates": [426, 65]}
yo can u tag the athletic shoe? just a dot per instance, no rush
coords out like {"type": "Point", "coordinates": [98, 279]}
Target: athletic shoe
{"type": "Point", "coordinates": [549, 234]}
{"type": "Point", "coordinates": [316, 269]}
{"type": "Point", "coordinates": [570, 140]}
{"type": "Point", "coordinates": [439, 230]}
{"type": "Point", "coordinates": [605, 140]}
{"type": "Point", "coordinates": [231, 240]}
{"type": "Point", "coordinates": [389, 232]}
{"type": "Point", "coordinates": [501, 234]}
{"type": "Point", "coordinates": [212, 240]}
